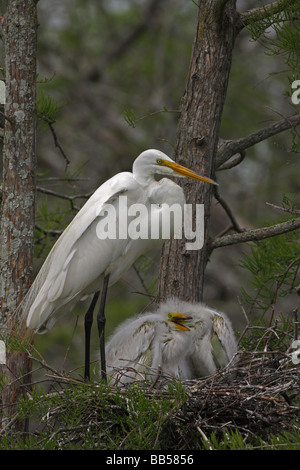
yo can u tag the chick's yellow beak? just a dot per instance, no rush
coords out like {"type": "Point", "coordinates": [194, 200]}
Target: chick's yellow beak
{"type": "Point", "coordinates": [183, 171]}
{"type": "Point", "coordinates": [179, 319]}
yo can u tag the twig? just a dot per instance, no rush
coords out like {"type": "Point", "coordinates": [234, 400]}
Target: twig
{"type": "Point", "coordinates": [240, 145]}
{"type": "Point", "coordinates": [68, 430]}
{"type": "Point", "coordinates": [283, 275]}
{"type": "Point", "coordinates": [296, 324]}
{"type": "Point", "coordinates": [136, 291]}
{"type": "Point", "coordinates": [255, 234]}
{"type": "Point", "coordinates": [9, 423]}
{"type": "Point", "coordinates": [50, 192]}
{"type": "Point", "coordinates": [205, 438]}
{"type": "Point", "coordinates": [55, 139]}
{"type": "Point", "coordinates": [70, 342]}
{"type": "Point", "coordinates": [257, 14]}
{"type": "Point", "coordinates": [48, 231]}
{"type": "Point", "coordinates": [43, 364]}
{"type": "Point", "coordinates": [57, 144]}
{"type": "Point", "coordinates": [141, 279]}
{"type": "Point", "coordinates": [234, 162]}
{"type": "Point", "coordinates": [284, 209]}
{"type": "Point", "coordinates": [228, 210]}
{"type": "Point", "coordinates": [154, 113]}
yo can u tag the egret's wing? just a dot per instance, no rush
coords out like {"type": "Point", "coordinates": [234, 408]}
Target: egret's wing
{"type": "Point", "coordinates": [201, 356]}
{"type": "Point", "coordinates": [213, 339]}
{"type": "Point", "coordinates": [75, 259]}
{"type": "Point", "coordinates": [130, 344]}
{"type": "Point", "coordinates": [223, 341]}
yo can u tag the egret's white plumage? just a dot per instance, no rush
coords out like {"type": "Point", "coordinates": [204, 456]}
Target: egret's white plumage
{"type": "Point", "coordinates": [182, 339]}
{"type": "Point", "coordinates": [80, 261]}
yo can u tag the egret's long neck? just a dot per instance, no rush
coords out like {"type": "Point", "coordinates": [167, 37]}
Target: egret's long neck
{"type": "Point", "coordinates": [145, 180]}
{"type": "Point", "coordinates": [142, 175]}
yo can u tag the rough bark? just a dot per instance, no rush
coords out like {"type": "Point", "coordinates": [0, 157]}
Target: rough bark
{"type": "Point", "coordinates": [182, 271]}
{"type": "Point", "coordinates": [19, 29]}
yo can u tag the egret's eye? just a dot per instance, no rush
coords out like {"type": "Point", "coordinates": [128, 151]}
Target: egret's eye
{"type": "Point", "coordinates": [159, 161]}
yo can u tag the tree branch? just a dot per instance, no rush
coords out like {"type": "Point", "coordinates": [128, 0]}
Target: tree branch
{"type": "Point", "coordinates": [239, 157]}
{"type": "Point", "coordinates": [63, 196]}
{"type": "Point", "coordinates": [255, 234]}
{"type": "Point", "coordinates": [234, 223]}
{"type": "Point", "coordinates": [48, 231]}
{"type": "Point", "coordinates": [239, 145]}
{"type": "Point", "coordinates": [267, 11]}
{"type": "Point", "coordinates": [284, 209]}
{"type": "Point", "coordinates": [55, 139]}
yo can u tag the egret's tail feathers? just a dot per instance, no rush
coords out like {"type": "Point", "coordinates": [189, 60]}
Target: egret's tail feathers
{"type": "Point", "coordinates": [38, 315]}
{"type": "Point", "coordinates": [58, 283]}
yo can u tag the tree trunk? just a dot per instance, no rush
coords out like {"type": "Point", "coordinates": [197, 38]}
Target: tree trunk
{"type": "Point", "coordinates": [182, 271]}
{"type": "Point", "coordinates": [19, 28]}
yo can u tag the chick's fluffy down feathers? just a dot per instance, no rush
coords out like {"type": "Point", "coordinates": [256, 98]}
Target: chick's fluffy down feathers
{"type": "Point", "coordinates": [145, 343]}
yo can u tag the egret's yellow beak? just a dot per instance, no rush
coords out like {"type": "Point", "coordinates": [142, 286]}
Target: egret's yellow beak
{"type": "Point", "coordinates": [179, 319]}
{"type": "Point", "coordinates": [183, 171]}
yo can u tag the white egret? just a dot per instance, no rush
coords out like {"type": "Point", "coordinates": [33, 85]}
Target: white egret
{"type": "Point", "coordinates": [81, 260]}
{"type": "Point", "coordinates": [181, 339]}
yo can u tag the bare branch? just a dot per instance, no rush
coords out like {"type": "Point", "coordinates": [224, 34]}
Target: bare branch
{"type": "Point", "coordinates": [255, 234]}
{"type": "Point", "coordinates": [267, 11]}
{"type": "Point", "coordinates": [228, 211]}
{"type": "Point", "coordinates": [54, 233]}
{"type": "Point", "coordinates": [234, 162]}
{"type": "Point", "coordinates": [284, 209]}
{"type": "Point", "coordinates": [240, 145]}
{"type": "Point", "coordinates": [50, 192]}
{"type": "Point", "coordinates": [56, 142]}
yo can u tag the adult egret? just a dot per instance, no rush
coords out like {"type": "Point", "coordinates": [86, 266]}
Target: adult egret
{"type": "Point", "coordinates": [81, 259]}
{"type": "Point", "coordinates": [180, 338]}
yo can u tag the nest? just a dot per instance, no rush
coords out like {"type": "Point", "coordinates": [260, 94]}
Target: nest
{"type": "Point", "coordinates": [259, 397]}
{"type": "Point", "coordinates": [262, 399]}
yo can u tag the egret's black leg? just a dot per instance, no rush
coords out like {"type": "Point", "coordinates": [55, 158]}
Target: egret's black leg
{"type": "Point", "coordinates": [101, 327]}
{"type": "Point", "coordinates": [88, 321]}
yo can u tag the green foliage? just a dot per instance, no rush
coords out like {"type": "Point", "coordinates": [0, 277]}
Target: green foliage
{"type": "Point", "coordinates": [75, 415]}
{"type": "Point", "coordinates": [51, 219]}
{"type": "Point", "coordinates": [233, 440]}
{"type": "Point", "coordinates": [286, 26]}
{"type": "Point", "coordinates": [88, 416]}
{"type": "Point", "coordinates": [279, 34]}
{"type": "Point", "coordinates": [274, 266]}
{"type": "Point", "coordinates": [69, 414]}
{"type": "Point", "coordinates": [48, 110]}
{"type": "Point", "coordinates": [130, 117]}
